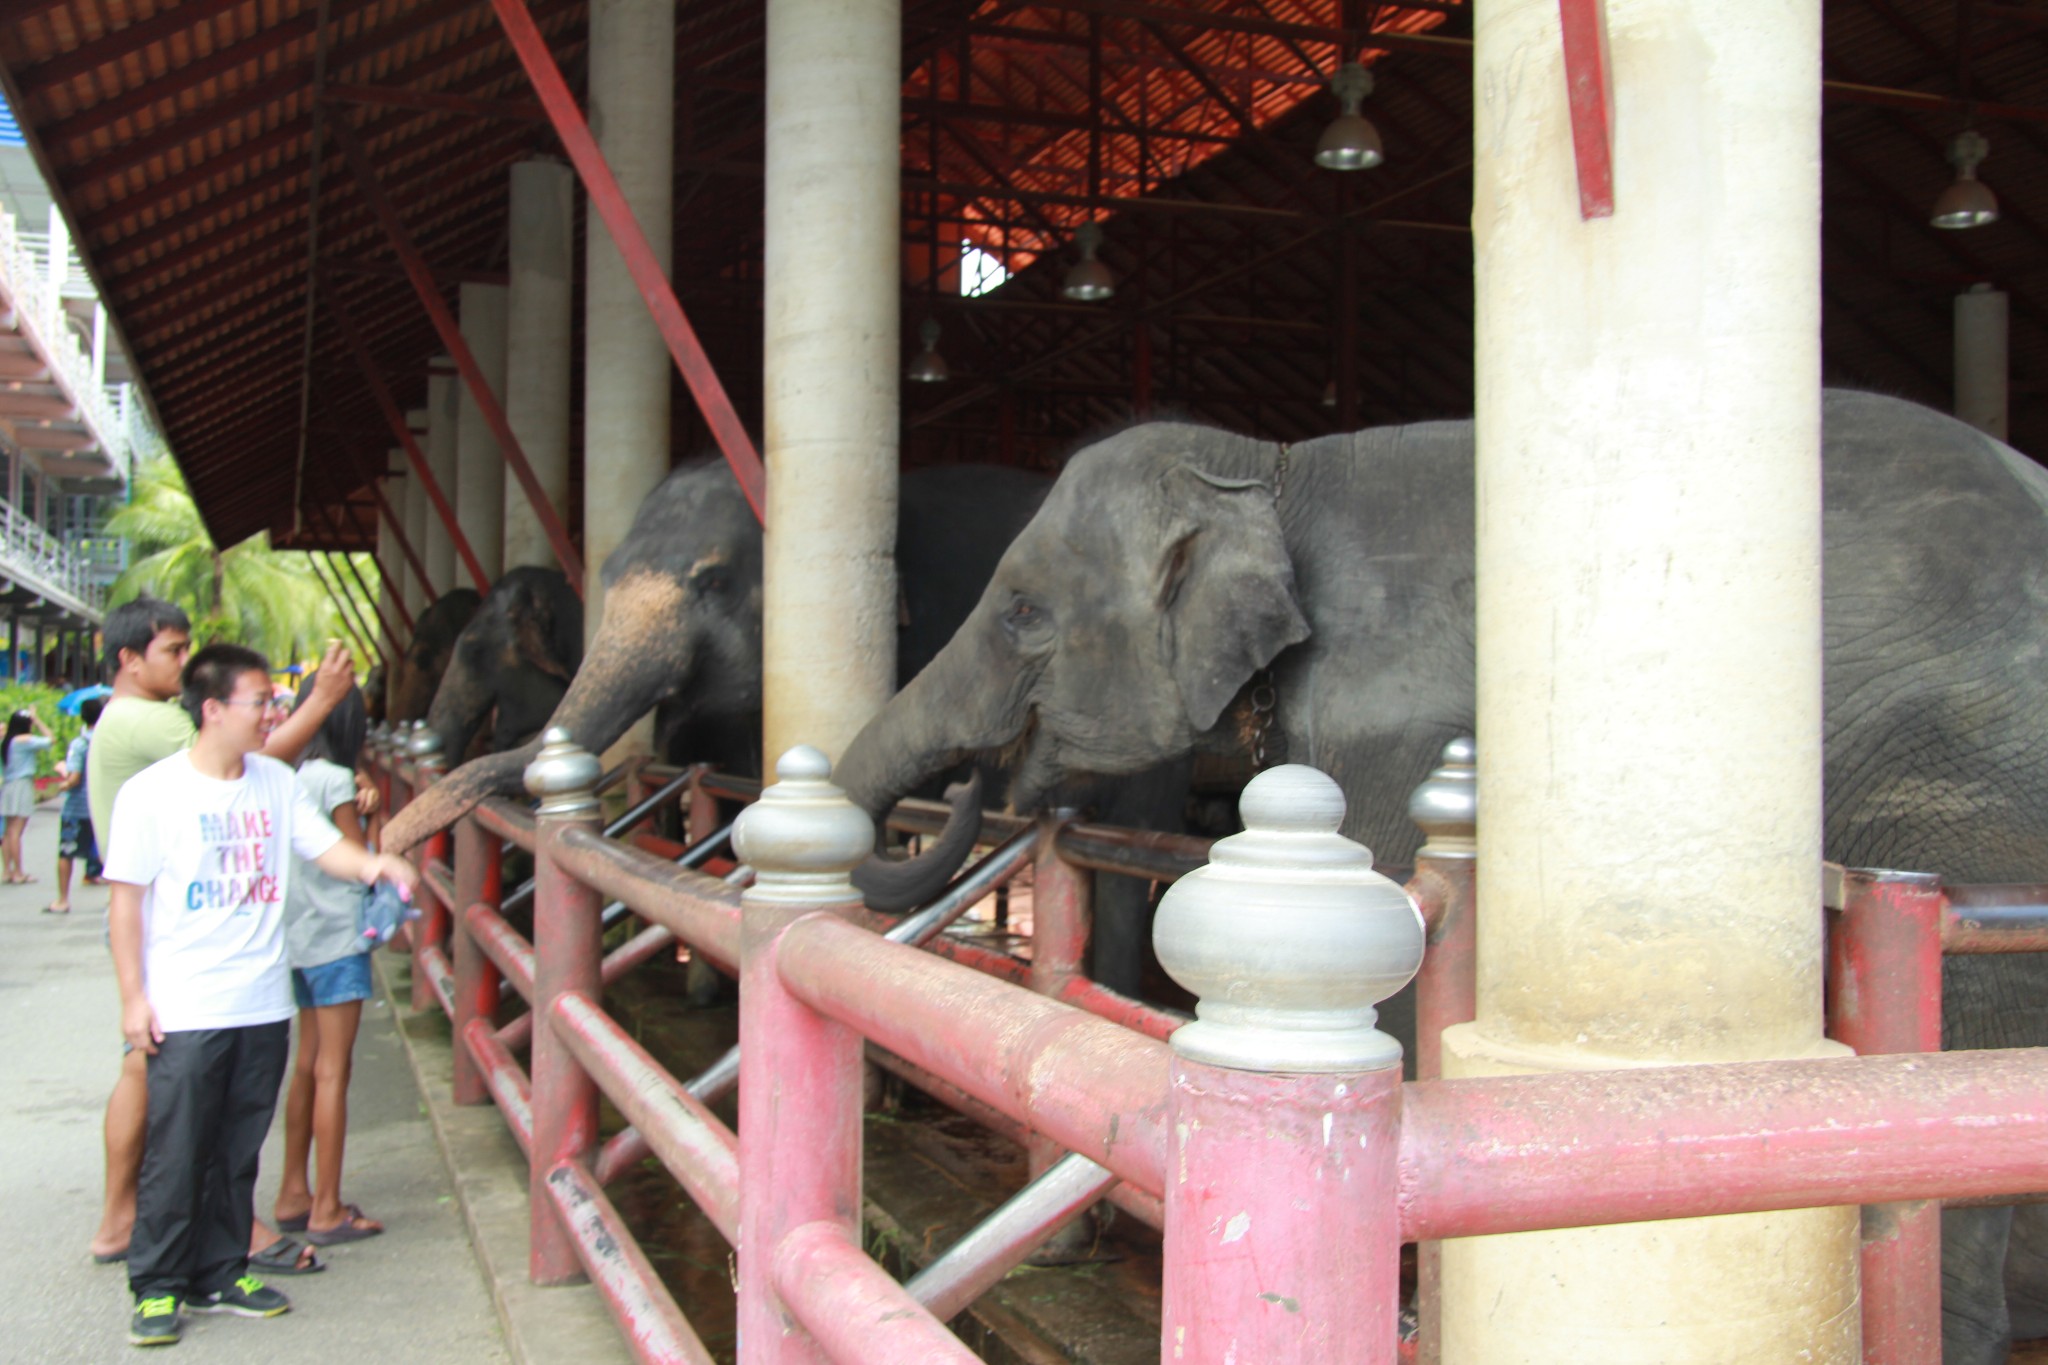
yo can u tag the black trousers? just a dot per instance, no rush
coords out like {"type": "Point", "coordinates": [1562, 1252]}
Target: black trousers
{"type": "Point", "coordinates": [211, 1095]}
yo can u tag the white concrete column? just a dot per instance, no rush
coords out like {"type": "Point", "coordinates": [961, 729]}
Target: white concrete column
{"type": "Point", "coordinates": [625, 365]}
{"type": "Point", "coordinates": [1649, 648]}
{"type": "Point", "coordinates": [417, 512]}
{"type": "Point", "coordinates": [443, 566]}
{"type": "Point", "coordinates": [538, 325]}
{"type": "Point", "coordinates": [480, 465]}
{"type": "Point", "coordinates": [831, 367]}
{"type": "Point", "coordinates": [1982, 366]}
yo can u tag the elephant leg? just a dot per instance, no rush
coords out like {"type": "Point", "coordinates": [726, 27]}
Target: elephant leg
{"type": "Point", "coordinates": [1974, 1326]}
{"type": "Point", "coordinates": [2026, 1272]}
{"type": "Point", "coordinates": [1120, 942]}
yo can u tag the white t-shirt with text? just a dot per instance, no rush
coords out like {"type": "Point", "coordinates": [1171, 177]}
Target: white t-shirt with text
{"type": "Point", "coordinates": [214, 859]}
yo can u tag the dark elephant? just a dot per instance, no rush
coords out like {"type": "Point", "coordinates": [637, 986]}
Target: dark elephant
{"type": "Point", "coordinates": [1174, 569]}
{"type": "Point", "coordinates": [514, 658]}
{"type": "Point", "coordinates": [426, 656]}
{"type": "Point", "coordinates": [681, 633]}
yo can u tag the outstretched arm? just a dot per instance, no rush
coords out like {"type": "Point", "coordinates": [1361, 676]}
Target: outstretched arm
{"type": "Point", "coordinates": [290, 738]}
{"type": "Point", "coordinates": [357, 863]}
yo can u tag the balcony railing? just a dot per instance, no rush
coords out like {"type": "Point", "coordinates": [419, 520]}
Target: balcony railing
{"type": "Point", "coordinates": [39, 300]}
{"type": "Point", "coordinates": [45, 565]}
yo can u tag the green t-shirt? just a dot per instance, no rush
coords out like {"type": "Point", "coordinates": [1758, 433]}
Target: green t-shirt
{"type": "Point", "coordinates": [131, 735]}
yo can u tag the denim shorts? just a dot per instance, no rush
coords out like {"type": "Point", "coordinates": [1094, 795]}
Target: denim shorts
{"type": "Point", "coordinates": [75, 837]}
{"type": "Point", "coordinates": [332, 983]}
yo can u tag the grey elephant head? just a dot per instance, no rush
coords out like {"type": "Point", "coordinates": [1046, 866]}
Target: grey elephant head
{"type": "Point", "coordinates": [426, 655]}
{"type": "Point", "coordinates": [1151, 585]}
{"type": "Point", "coordinates": [681, 628]}
{"type": "Point", "coordinates": [515, 658]}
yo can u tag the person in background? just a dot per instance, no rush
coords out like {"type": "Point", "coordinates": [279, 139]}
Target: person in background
{"type": "Point", "coordinates": [147, 641]}
{"type": "Point", "coordinates": [18, 786]}
{"type": "Point", "coordinates": [330, 982]}
{"type": "Point", "coordinates": [201, 859]}
{"type": "Point", "coordinates": [74, 829]}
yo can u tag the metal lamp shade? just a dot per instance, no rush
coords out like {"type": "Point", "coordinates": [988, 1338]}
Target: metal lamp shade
{"type": "Point", "coordinates": [1089, 281]}
{"type": "Point", "coordinates": [928, 367]}
{"type": "Point", "coordinates": [1350, 143]}
{"type": "Point", "coordinates": [1968, 202]}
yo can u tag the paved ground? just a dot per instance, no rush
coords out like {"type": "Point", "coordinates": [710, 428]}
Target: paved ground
{"type": "Point", "coordinates": [414, 1294]}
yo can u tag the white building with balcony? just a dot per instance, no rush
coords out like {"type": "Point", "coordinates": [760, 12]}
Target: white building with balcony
{"type": "Point", "coordinates": [70, 431]}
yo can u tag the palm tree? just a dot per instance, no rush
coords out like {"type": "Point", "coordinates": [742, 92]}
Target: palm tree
{"type": "Point", "coordinates": [269, 600]}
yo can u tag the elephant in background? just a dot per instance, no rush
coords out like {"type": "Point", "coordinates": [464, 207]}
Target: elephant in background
{"type": "Point", "coordinates": [426, 655]}
{"type": "Point", "coordinates": [681, 633]}
{"type": "Point", "coordinates": [1173, 568]}
{"type": "Point", "coordinates": [515, 658]}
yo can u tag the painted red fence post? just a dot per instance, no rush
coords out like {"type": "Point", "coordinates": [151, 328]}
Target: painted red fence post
{"type": "Point", "coordinates": [1283, 1239]}
{"type": "Point", "coordinates": [430, 930]}
{"type": "Point", "coordinates": [478, 879]}
{"type": "Point", "coordinates": [1062, 916]}
{"type": "Point", "coordinates": [568, 945]}
{"type": "Point", "coordinates": [1446, 807]}
{"type": "Point", "coordinates": [800, 1073]}
{"type": "Point", "coordinates": [1884, 996]}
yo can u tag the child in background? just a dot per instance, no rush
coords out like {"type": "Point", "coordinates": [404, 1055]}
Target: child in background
{"type": "Point", "coordinates": [330, 982]}
{"type": "Point", "coordinates": [74, 828]}
{"type": "Point", "coordinates": [18, 785]}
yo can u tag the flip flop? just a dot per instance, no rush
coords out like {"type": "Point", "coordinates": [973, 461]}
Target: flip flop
{"type": "Point", "coordinates": [346, 1230]}
{"type": "Point", "coordinates": [56, 910]}
{"type": "Point", "coordinates": [297, 1224]}
{"type": "Point", "coordinates": [110, 1257]}
{"type": "Point", "coordinates": [286, 1257]}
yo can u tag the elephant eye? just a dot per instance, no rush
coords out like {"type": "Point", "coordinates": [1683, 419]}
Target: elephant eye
{"type": "Point", "coordinates": [712, 581]}
{"type": "Point", "coordinates": [1025, 615]}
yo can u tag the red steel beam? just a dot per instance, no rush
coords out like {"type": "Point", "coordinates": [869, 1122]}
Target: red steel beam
{"type": "Point", "coordinates": [610, 203]}
{"type": "Point", "coordinates": [416, 457]}
{"type": "Point", "coordinates": [422, 277]}
{"type": "Point", "coordinates": [1585, 77]}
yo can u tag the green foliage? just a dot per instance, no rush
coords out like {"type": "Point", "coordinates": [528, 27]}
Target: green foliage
{"type": "Point", "coordinates": [43, 700]}
{"type": "Point", "coordinates": [271, 600]}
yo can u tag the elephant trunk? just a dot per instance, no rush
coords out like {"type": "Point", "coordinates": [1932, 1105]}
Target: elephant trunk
{"type": "Point", "coordinates": [920, 732]}
{"type": "Point", "coordinates": [640, 654]}
{"type": "Point", "coordinates": [460, 704]}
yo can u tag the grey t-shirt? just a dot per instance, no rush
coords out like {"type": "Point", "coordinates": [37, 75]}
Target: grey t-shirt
{"type": "Point", "coordinates": [319, 910]}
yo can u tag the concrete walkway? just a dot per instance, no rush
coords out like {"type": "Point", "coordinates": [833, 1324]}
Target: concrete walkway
{"type": "Point", "coordinates": [414, 1294]}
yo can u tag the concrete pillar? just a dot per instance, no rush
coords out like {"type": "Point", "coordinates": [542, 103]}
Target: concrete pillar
{"type": "Point", "coordinates": [443, 566]}
{"type": "Point", "coordinates": [1981, 359]}
{"type": "Point", "coordinates": [417, 511]}
{"type": "Point", "coordinates": [391, 571]}
{"type": "Point", "coordinates": [537, 330]}
{"type": "Point", "coordinates": [1649, 648]}
{"type": "Point", "coordinates": [830, 368]}
{"type": "Point", "coordinates": [626, 368]}
{"type": "Point", "coordinates": [480, 466]}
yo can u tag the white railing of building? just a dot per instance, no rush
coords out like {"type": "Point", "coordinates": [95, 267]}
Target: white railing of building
{"type": "Point", "coordinates": [39, 561]}
{"type": "Point", "coordinates": [38, 293]}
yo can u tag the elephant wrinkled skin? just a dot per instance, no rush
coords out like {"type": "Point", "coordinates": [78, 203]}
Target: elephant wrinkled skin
{"type": "Point", "coordinates": [1171, 564]}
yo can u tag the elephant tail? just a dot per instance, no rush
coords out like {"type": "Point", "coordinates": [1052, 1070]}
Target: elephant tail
{"type": "Point", "coordinates": [900, 885]}
{"type": "Point", "coordinates": [456, 795]}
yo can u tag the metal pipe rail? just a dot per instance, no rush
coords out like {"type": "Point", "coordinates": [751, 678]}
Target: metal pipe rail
{"type": "Point", "coordinates": [1429, 1160]}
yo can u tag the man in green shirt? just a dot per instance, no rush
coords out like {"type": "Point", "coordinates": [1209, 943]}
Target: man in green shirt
{"type": "Point", "coordinates": [147, 643]}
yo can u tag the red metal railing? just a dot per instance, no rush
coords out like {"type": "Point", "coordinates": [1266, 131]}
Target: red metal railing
{"type": "Point", "coordinates": [1088, 1081]}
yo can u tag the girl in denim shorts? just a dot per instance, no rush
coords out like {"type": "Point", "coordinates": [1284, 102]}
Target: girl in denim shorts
{"type": "Point", "coordinates": [331, 980]}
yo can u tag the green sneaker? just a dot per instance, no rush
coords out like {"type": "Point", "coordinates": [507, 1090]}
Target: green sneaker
{"type": "Point", "coordinates": [155, 1322]}
{"type": "Point", "coordinates": [248, 1297]}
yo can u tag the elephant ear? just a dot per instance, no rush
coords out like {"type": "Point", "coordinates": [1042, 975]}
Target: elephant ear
{"type": "Point", "coordinates": [1225, 587]}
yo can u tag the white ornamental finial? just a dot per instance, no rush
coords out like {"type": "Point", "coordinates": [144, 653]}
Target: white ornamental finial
{"type": "Point", "coordinates": [1288, 937]}
{"type": "Point", "coordinates": [563, 774]}
{"type": "Point", "coordinates": [1446, 806]}
{"type": "Point", "coordinates": [804, 835]}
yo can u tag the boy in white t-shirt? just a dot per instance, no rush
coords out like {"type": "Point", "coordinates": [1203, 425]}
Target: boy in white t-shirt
{"type": "Point", "coordinates": [199, 859]}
